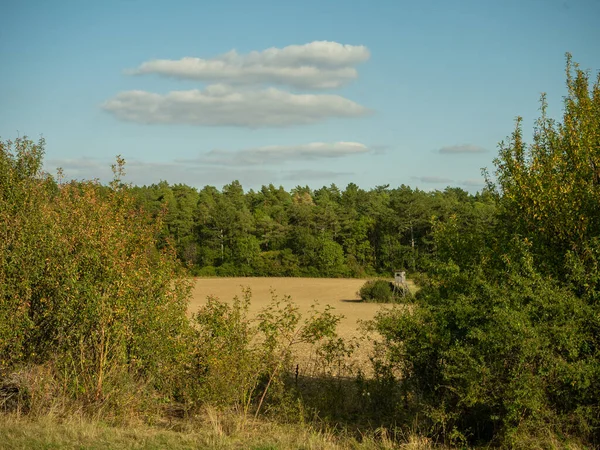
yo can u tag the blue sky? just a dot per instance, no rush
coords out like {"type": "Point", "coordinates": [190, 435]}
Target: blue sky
{"type": "Point", "coordinates": [289, 93]}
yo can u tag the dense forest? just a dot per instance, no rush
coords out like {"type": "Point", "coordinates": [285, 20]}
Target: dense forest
{"type": "Point", "coordinates": [322, 233]}
{"type": "Point", "coordinates": [500, 346]}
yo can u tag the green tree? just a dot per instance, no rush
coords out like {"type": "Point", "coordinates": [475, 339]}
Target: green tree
{"type": "Point", "coordinates": [182, 222]}
{"type": "Point", "coordinates": [549, 191]}
{"type": "Point", "coordinates": [330, 261]}
{"type": "Point", "coordinates": [210, 236]}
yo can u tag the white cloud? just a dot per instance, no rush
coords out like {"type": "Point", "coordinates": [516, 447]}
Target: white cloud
{"type": "Point", "coordinates": [473, 182]}
{"type": "Point", "coordinates": [434, 180]}
{"type": "Point", "coordinates": [221, 105]}
{"type": "Point", "coordinates": [305, 175]}
{"type": "Point", "coordinates": [316, 65]}
{"type": "Point", "coordinates": [83, 168]}
{"type": "Point", "coordinates": [274, 154]}
{"type": "Point", "coordinates": [464, 148]}
{"type": "Point", "coordinates": [193, 174]}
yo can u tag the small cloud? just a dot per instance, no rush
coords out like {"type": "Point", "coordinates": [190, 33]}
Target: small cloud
{"type": "Point", "coordinates": [274, 154]}
{"type": "Point", "coordinates": [81, 168]}
{"type": "Point", "coordinates": [433, 180]}
{"type": "Point", "coordinates": [145, 173]}
{"type": "Point", "coordinates": [309, 174]}
{"type": "Point", "coordinates": [474, 182]}
{"type": "Point", "coordinates": [465, 148]}
{"type": "Point", "coordinates": [197, 175]}
{"type": "Point", "coordinates": [221, 105]}
{"type": "Point", "coordinates": [316, 65]}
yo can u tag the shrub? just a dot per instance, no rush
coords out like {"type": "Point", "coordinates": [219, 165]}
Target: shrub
{"type": "Point", "coordinates": [502, 343]}
{"type": "Point", "coordinates": [206, 271]}
{"type": "Point", "coordinates": [241, 362]}
{"type": "Point", "coordinates": [82, 284]}
{"type": "Point", "coordinates": [379, 291]}
{"type": "Point", "coordinates": [228, 270]}
{"type": "Point", "coordinates": [227, 369]}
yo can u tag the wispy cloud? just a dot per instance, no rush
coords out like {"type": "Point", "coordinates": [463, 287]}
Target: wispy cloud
{"type": "Point", "coordinates": [433, 180]}
{"type": "Point", "coordinates": [274, 154]}
{"type": "Point", "coordinates": [464, 148]}
{"type": "Point", "coordinates": [81, 168]}
{"type": "Point", "coordinates": [145, 173]}
{"type": "Point", "coordinates": [305, 175]}
{"type": "Point", "coordinates": [473, 182]}
{"type": "Point", "coordinates": [316, 65]}
{"type": "Point", "coordinates": [222, 105]}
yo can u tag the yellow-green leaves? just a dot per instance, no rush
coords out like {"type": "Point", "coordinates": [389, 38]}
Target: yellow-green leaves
{"type": "Point", "coordinates": [550, 189]}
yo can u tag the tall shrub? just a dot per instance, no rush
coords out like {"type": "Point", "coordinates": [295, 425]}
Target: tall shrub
{"type": "Point", "coordinates": [503, 343]}
{"type": "Point", "coordinates": [83, 284]}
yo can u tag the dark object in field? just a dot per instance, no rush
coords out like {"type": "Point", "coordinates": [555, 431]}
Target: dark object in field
{"type": "Point", "coordinates": [380, 291]}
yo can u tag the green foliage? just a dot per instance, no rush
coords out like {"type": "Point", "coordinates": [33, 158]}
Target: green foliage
{"type": "Point", "coordinates": [550, 189]}
{"type": "Point", "coordinates": [24, 192]}
{"type": "Point", "coordinates": [379, 291]}
{"type": "Point", "coordinates": [227, 367]}
{"type": "Point", "coordinates": [502, 343]}
{"type": "Point", "coordinates": [493, 361]}
{"type": "Point", "coordinates": [240, 361]}
{"type": "Point", "coordinates": [83, 286]}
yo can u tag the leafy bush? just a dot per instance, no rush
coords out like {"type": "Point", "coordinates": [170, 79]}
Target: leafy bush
{"type": "Point", "coordinates": [502, 343]}
{"type": "Point", "coordinates": [379, 291]}
{"type": "Point", "coordinates": [240, 362]}
{"type": "Point", "coordinates": [227, 369]}
{"type": "Point", "coordinates": [83, 285]}
{"type": "Point", "coordinates": [206, 271]}
{"type": "Point", "coordinates": [228, 270]}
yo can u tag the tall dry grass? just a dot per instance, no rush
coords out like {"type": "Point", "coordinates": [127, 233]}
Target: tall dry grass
{"type": "Point", "coordinates": [214, 429]}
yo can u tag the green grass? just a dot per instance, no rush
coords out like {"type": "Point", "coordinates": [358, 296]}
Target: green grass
{"type": "Point", "coordinates": [216, 431]}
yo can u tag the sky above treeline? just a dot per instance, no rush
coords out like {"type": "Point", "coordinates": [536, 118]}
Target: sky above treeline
{"type": "Point", "coordinates": [290, 93]}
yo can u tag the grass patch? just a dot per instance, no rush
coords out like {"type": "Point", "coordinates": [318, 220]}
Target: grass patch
{"type": "Point", "coordinates": [214, 430]}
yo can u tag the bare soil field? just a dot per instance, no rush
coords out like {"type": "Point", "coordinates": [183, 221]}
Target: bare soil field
{"type": "Point", "coordinates": [341, 294]}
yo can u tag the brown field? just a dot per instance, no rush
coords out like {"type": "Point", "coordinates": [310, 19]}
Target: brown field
{"type": "Point", "coordinates": [341, 294]}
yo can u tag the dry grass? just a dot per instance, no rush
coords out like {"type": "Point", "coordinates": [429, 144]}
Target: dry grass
{"type": "Point", "coordinates": [217, 430]}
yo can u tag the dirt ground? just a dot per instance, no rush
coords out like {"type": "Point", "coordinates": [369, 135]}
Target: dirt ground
{"type": "Point", "coordinates": [341, 294]}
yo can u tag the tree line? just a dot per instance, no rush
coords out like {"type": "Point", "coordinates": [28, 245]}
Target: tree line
{"type": "Point", "coordinates": [325, 232]}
